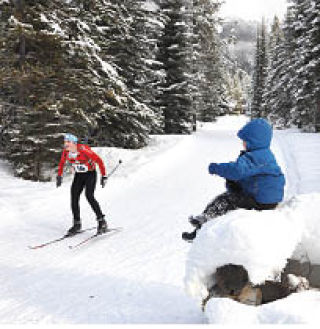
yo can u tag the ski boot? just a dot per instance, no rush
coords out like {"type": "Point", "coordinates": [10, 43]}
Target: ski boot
{"type": "Point", "coordinates": [76, 228]}
{"type": "Point", "coordinates": [102, 225]}
{"type": "Point", "coordinates": [189, 237]}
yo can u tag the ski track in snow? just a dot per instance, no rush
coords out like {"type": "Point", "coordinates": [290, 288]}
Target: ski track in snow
{"type": "Point", "coordinates": [301, 159]}
{"type": "Point", "coordinates": [137, 275]}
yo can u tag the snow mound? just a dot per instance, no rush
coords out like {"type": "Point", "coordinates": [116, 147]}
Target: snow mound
{"type": "Point", "coordinates": [227, 311]}
{"type": "Point", "coordinates": [302, 308]}
{"type": "Point", "coordinates": [306, 208]}
{"type": "Point", "coordinates": [261, 241]}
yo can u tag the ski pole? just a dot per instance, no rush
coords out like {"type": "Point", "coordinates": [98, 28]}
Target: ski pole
{"type": "Point", "coordinates": [115, 168]}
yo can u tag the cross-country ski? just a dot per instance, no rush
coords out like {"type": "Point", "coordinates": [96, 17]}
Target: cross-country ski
{"type": "Point", "coordinates": [66, 236]}
{"type": "Point", "coordinates": [109, 232]}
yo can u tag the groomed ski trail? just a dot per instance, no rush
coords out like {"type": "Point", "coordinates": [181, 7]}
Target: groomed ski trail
{"type": "Point", "coordinates": [133, 277]}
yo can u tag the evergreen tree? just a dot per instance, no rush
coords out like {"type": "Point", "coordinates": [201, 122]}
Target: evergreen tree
{"type": "Point", "coordinates": [260, 71]}
{"type": "Point", "coordinates": [298, 31]}
{"type": "Point", "coordinates": [314, 62]}
{"type": "Point", "coordinates": [236, 90]}
{"type": "Point", "coordinates": [209, 87]}
{"type": "Point", "coordinates": [307, 65]}
{"type": "Point", "coordinates": [274, 97]}
{"type": "Point", "coordinates": [175, 53]}
{"type": "Point", "coordinates": [135, 50]}
{"type": "Point", "coordinates": [292, 93]}
{"type": "Point", "coordinates": [281, 108]}
{"type": "Point", "coordinates": [31, 81]}
{"type": "Point", "coordinates": [108, 71]}
{"type": "Point", "coordinates": [58, 70]}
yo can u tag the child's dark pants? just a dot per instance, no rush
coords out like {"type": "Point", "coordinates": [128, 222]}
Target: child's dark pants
{"type": "Point", "coordinates": [231, 200]}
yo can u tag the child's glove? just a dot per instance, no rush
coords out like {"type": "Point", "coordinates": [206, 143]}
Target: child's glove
{"type": "Point", "coordinates": [233, 186]}
{"type": "Point", "coordinates": [212, 168]}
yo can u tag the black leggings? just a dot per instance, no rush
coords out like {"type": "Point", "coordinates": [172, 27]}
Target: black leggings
{"type": "Point", "coordinates": [87, 180]}
{"type": "Point", "coordinates": [232, 200]}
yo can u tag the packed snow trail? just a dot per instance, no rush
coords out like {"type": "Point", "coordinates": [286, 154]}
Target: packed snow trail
{"type": "Point", "coordinates": [133, 277]}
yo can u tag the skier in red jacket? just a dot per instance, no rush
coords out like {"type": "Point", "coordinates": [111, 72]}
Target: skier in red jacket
{"type": "Point", "coordinates": [83, 161]}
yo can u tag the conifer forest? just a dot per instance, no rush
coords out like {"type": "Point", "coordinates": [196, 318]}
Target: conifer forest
{"type": "Point", "coordinates": [114, 72]}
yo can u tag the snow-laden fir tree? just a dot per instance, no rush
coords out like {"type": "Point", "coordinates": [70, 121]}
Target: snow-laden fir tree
{"type": "Point", "coordinates": [260, 71]}
{"type": "Point", "coordinates": [292, 92]}
{"type": "Point", "coordinates": [209, 87]}
{"type": "Point", "coordinates": [313, 35]}
{"type": "Point", "coordinates": [155, 25]}
{"type": "Point", "coordinates": [134, 48]}
{"type": "Point", "coordinates": [299, 113]}
{"type": "Point", "coordinates": [280, 99]}
{"type": "Point", "coordinates": [275, 102]}
{"type": "Point", "coordinates": [237, 90]}
{"type": "Point", "coordinates": [175, 52]}
{"type": "Point", "coordinates": [118, 119]}
{"type": "Point", "coordinates": [237, 81]}
{"type": "Point", "coordinates": [32, 84]}
{"type": "Point", "coordinates": [154, 75]}
{"type": "Point", "coordinates": [60, 77]}
{"type": "Point", "coordinates": [307, 64]}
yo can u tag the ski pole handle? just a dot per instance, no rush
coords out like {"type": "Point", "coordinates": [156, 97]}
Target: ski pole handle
{"type": "Point", "coordinates": [115, 168]}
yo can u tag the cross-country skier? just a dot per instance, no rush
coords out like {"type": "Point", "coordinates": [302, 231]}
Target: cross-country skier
{"type": "Point", "coordinates": [253, 181]}
{"type": "Point", "coordinates": [83, 161]}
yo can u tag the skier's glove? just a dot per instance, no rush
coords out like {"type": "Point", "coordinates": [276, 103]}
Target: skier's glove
{"type": "Point", "coordinates": [59, 181]}
{"type": "Point", "coordinates": [103, 181]}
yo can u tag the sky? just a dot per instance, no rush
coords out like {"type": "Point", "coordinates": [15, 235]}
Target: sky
{"type": "Point", "coordinates": [253, 9]}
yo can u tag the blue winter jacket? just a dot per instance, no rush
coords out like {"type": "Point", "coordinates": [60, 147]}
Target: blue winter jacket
{"type": "Point", "coordinates": [256, 170]}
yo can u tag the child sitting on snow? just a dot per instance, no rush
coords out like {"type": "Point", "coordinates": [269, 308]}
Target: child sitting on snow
{"type": "Point", "coordinates": [254, 181]}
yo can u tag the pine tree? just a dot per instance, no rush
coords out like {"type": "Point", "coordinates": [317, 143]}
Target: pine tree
{"type": "Point", "coordinates": [58, 70]}
{"type": "Point", "coordinates": [209, 87]}
{"type": "Point", "coordinates": [296, 68]}
{"type": "Point", "coordinates": [314, 62]}
{"type": "Point", "coordinates": [30, 90]}
{"type": "Point", "coordinates": [120, 119]}
{"type": "Point", "coordinates": [299, 113]}
{"type": "Point", "coordinates": [260, 72]}
{"type": "Point", "coordinates": [175, 53]}
{"type": "Point", "coordinates": [134, 49]}
{"type": "Point", "coordinates": [155, 28]}
{"type": "Point", "coordinates": [274, 97]}
{"type": "Point", "coordinates": [282, 108]}
{"type": "Point", "coordinates": [307, 65]}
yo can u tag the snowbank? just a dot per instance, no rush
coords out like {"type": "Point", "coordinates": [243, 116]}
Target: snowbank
{"type": "Point", "coordinates": [302, 308]}
{"type": "Point", "coordinates": [260, 241]}
{"type": "Point", "coordinates": [306, 209]}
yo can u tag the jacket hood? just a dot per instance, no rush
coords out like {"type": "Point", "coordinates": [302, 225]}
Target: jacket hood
{"type": "Point", "coordinates": [257, 134]}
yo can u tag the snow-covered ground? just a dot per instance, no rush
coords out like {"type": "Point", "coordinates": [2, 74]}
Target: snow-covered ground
{"type": "Point", "coordinates": [137, 276]}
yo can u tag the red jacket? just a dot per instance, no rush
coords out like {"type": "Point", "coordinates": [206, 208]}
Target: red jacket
{"type": "Point", "coordinates": [85, 158]}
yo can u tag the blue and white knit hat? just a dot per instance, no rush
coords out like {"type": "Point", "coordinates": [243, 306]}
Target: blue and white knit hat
{"type": "Point", "coordinates": [70, 138]}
